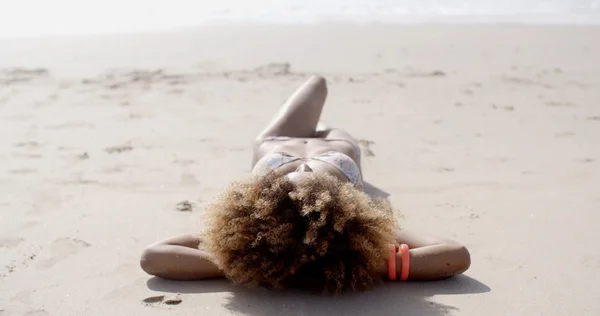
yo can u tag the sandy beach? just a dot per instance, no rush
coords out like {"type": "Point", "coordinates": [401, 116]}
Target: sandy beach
{"type": "Point", "coordinates": [486, 134]}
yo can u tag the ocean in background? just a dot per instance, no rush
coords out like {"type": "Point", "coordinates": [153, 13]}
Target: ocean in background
{"type": "Point", "coordinates": [27, 18]}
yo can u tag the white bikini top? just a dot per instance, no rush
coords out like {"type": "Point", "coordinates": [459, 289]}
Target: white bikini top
{"type": "Point", "coordinates": [340, 161]}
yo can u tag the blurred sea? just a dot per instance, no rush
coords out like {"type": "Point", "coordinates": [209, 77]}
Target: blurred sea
{"type": "Point", "coordinates": [27, 18]}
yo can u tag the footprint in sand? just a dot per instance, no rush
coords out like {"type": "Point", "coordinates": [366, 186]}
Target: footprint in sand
{"type": "Point", "coordinates": [28, 144]}
{"type": "Point", "coordinates": [526, 82]}
{"type": "Point", "coordinates": [577, 84]}
{"type": "Point", "coordinates": [114, 169]}
{"type": "Point", "coordinates": [585, 160]}
{"type": "Point", "coordinates": [53, 97]}
{"type": "Point", "coordinates": [39, 312]}
{"type": "Point", "coordinates": [500, 159]}
{"type": "Point", "coordinates": [273, 70]}
{"type": "Point", "coordinates": [46, 201]}
{"type": "Point", "coordinates": [184, 162]}
{"type": "Point", "coordinates": [175, 91]}
{"type": "Point", "coordinates": [564, 134]}
{"type": "Point", "coordinates": [503, 107]}
{"type": "Point", "coordinates": [560, 104]}
{"type": "Point", "coordinates": [188, 179]}
{"type": "Point", "coordinates": [21, 117]}
{"type": "Point", "coordinates": [24, 297]}
{"type": "Point", "coordinates": [61, 249]}
{"type": "Point", "coordinates": [444, 169]}
{"type": "Point", "coordinates": [28, 156]}
{"type": "Point", "coordinates": [10, 242]}
{"type": "Point", "coordinates": [366, 147]}
{"type": "Point", "coordinates": [162, 299]}
{"type": "Point", "coordinates": [118, 149]}
{"type": "Point", "coordinates": [28, 225]}
{"type": "Point", "coordinates": [22, 171]}
{"type": "Point", "coordinates": [417, 73]}
{"type": "Point", "coordinates": [72, 124]}
{"type": "Point", "coordinates": [184, 206]}
{"type": "Point", "coordinates": [21, 75]}
{"type": "Point", "coordinates": [135, 116]}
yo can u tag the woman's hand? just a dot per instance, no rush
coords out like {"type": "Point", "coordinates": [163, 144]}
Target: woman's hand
{"type": "Point", "coordinates": [179, 258]}
{"type": "Point", "coordinates": [431, 258]}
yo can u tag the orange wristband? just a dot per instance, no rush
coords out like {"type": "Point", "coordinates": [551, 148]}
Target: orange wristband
{"type": "Point", "coordinates": [392, 262]}
{"type": "Point", "coordinates": [404, 250]}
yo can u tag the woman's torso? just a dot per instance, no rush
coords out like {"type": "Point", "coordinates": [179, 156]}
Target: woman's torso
{"type": "Point", "coordinates": [306, 149]}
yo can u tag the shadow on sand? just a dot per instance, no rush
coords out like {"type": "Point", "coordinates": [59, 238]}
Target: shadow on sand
{"type": "Point", "coordinates": [389, 298]}
{"type": "Point", "coordinates": [374, 191]}
{"type": "Point", "coordinates": [399, 298]}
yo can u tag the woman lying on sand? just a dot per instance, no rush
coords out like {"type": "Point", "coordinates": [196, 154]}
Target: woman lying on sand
{"type": "Point", "coordinates": [302, 219]}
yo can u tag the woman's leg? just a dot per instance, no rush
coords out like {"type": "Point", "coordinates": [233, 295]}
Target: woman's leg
{"type": "Point", "coordinates": [299, 116]}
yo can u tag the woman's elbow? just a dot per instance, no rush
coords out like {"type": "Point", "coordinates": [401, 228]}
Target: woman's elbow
{"type": "Point", "coordinates": [462, 260]}
{"type": "Point", "coordinates": [149, 260]}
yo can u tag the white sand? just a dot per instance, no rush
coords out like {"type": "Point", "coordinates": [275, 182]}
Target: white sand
{"type": "Point", "coordinates": [486, 134]}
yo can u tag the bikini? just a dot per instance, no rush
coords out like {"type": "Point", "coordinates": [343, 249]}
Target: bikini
{"type": "Point", "coordinates": [340, 161]}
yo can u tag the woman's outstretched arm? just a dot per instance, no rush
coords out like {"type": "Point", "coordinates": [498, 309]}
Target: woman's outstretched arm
{"type": "Point", "coordinates": [179, 258]}
{"type": "Point", "coordinates": [432, 258]}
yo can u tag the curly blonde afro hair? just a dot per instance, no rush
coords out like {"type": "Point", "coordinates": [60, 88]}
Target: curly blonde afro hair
{"type": "Point", "coordinates": [320, 233]}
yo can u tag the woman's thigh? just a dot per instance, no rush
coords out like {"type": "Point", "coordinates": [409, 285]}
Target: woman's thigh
{"type": "Point", "coordinates": [299, 116]}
